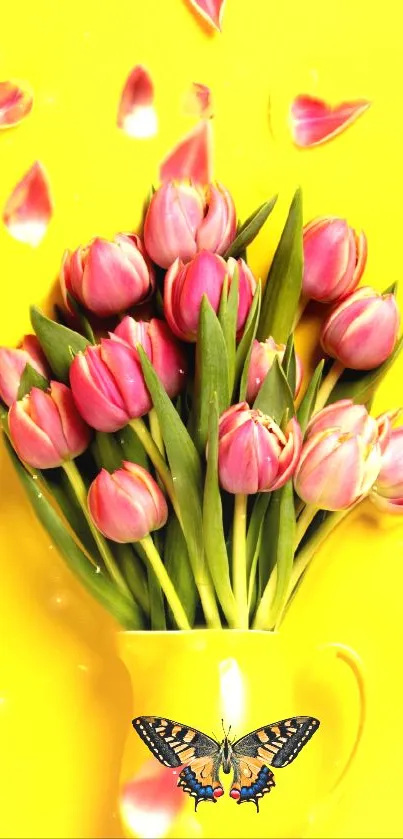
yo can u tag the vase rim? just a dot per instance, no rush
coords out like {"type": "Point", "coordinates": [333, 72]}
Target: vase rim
{"type": "Point", "coordinates": [203, 630]}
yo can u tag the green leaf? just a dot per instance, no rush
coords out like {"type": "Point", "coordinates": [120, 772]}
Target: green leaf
{"type": "Point", "coordinates": [31, 378]}
{"type": "Point", "coordinates": [122, 609]}
{"type": "Point", "coordinates": [254, 539]}
{"type": "Point", "coordinates": [211, 372]}
{"type": "Point", "coordinates": [157, 605]}
{"type": "Point", "coordinates": [59, 487]}
{"type": "Point", "coordinates": [106, 451]}
{"type": "Point", "coordinates": [59, 343]}
{"type": "Point", "coordinates": [131, 447]}
{"type": "Point", "coordinates": [176, 560]}
{"type": "Point", "coordinates": [250, 228]}
{"type": "Point", "coordinates": [85, 325]}
{"type": "Point", "coordinates": [213, 532]}
{"type": "Point", "coordinates": [360, 385]}
{"type": "Point", "coordinates": [391, 289]}
{"type": "Point", "coordinates": [274, 396]}
{"type": "Point", "coordinates": [289, 364]}
{"type": "Point", "coordinates": [133, 572]}
{"type": "Point", "coordinates": [244, 350]}
{"type": "Point", "coordinates": [283, 287]}
{"type": "Point", "coordinates": [228, 317]}
{"type": "Point", "coordinates": [307, 405]}
{"type": "Point", "coordinates": [279, 542]}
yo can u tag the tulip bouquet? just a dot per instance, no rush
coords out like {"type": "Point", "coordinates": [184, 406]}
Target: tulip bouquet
{"type": "Point", "coordinates": [162, 425]}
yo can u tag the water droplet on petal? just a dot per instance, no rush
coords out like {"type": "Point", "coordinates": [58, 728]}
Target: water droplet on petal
{"type": "Point", "coordinates": [136, 114]}
{"type": "Point", "coordinates": [210, 10]}
{"type": "Point", "coordinates": [198, 101]}
{"type": "Point", "coordinates": [16, 101]}
{"type": "Point", "coordinates": [191, 157]}
{"type": "Point", "coordinates": [29, 208]}
{"type": "Point", "coordinates": [313, 121]}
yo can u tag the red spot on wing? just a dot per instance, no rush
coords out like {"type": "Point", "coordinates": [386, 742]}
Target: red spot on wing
{"type": "Point", "coordinates": [235, 793]}
{"type": "Point", "coordinates": [29, 208]}
{"type": "Point", "coordinates": [191, 158]}
{"type": "Point", "coordinates": [313, 121]}
{"type": "Point", "coordinates": [16, 101]}
{"type": "Point", "coordinates": [218, 792]}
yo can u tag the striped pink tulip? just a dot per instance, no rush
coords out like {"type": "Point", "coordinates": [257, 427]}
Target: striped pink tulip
{"type": "Point", "coordinates": [334, 259]}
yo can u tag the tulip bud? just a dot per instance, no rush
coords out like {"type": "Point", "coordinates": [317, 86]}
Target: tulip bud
{"type": "Point", "coordinates": [164, 351]}
{"type": "Point", "coordinates": [334, 259]}
{"type": "Point", "coordinates": [46, 428]}
{"type": "Point", "coordinates": [128, 504]}
{"type": "Point", "coordinates": [13, 363]}
{"type": "Point", "coordinates": [387, 492]}
{"type": "Point", "coordinates": [183, 219]}
{"type": "Point", "coordinates": [254, 454]}
{"type": "Point", "coordinates": [108, 385]}
{"type": "Point", "coordinates": [341, 457]}
{"type": "Point", "coordinates": [361, 332]}
{"type": "Point", "coordinates": [185, 286]}
{"type": "Point", "coordinates": [261, 360]}
{"type": "Point", "coordinates": [108, 277]}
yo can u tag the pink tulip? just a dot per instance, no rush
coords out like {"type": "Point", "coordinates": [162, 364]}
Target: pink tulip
{"type": "Point", "coordinates": [13, 363]}
{"type": "Point", "coordinates": [183, 219]}
{"type": "Point", "coordinates": [337, 467]}
{"type": "Point", "coordinates": [334, 259]}
{"type": "Point", "coordinates": [108, 277]}
{"type": "Point", "coordinates": [345, 417]}
{"type": "Point", "coordinates": [387, 492]}
{"type": "Point", "coordinates": [128, 504]}
{"type": "Point", "coordinates": [185, 286]}
{"type": "Point", "coordinates": [163, 349]}
{"type": "Point", "coordinates": [261, 360]}
{"type": "Point", "coordinates": [254, 454]}
{"type": "Point", "coordinates": [46, 428]}
{"type": "Point", "coordinates": [361, 332]}
{"type": "Point", "coordinates": [108, 385]}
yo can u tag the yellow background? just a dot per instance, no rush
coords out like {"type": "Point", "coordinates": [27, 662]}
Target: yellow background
{"type": "Point", "coordinates": [63, 693]}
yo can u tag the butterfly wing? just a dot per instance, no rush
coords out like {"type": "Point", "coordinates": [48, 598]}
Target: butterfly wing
{"type": "Point", "coordinates": [274, 745]}
{"type": "Point", "coordinates": [174, 744]}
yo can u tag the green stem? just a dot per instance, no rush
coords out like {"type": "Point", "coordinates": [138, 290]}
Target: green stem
{"type": "Point", "coordinates": [157, 459]}
{"type": "Point", "coordinates": [239, 569]}
{"type": "Point", "coordinates": [165, 582]}
{"type": "Point", "coordinates": [263, 614]}
{"type": "Point", "coordinates": [312, 546]}
{"type": "Point", "coordinates": [80, 490]}
{"type": "Point", "coordinates": [328, 384]}
{"type": "Point", "coordinates": [304, 520]}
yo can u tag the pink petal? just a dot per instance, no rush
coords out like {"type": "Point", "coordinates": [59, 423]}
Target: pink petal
{"type": "Point", "coordinates": [16, 101]}
{"type": "Point", "coordinates": [29, 208]}
{"type": "Point", "coordinates": [211, 10]}
{"type": "Point", "coordinates": [313, 121]}
{"type": "Point", "coordinates": [136, 114]}
{"type": "Point", "coordinates": [191, 158]}
{"type": "Point", "coordinates": [198, 101]}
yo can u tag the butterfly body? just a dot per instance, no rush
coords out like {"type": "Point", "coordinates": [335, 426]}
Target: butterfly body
{"type": "Point", "coordinates": [249, 758]}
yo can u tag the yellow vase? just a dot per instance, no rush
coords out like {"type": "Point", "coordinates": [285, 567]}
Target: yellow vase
{"type": "Point", "coordinates": [248, 679]}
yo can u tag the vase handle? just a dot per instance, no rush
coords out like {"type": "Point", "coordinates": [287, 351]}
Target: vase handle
{"type": "Point", "coordinates": [354, 662]}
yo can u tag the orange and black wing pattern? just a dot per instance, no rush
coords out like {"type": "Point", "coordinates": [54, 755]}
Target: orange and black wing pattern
{"type": "Point", "coordinates": [274, 745]}
{"type": "Point", "coordinates": [175, 744]}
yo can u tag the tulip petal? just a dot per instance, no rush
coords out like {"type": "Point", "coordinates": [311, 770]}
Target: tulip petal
{"type": "Point", "coordinates": [136, 113]}
{"type": "Point", "coordinates": [191, 158]}
{"type": "Point", "coordinates": [198, 101]}
{"type": "Point", "coordinates": [313, 121]}
{"type": "Point", "coordinates": [210, 10]}
{"type": "Point", "coordinates": [29, 208]}
{"type": "Point", "coordinates": [16, 101]}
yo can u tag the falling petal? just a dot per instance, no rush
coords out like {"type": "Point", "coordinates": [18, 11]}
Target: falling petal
{"type": "Point", "coordinates": [313, 121]}
{"type": "Point", "coordinates": [16, 101]}
{"type": "Point", "coordinates": [198, 101]}
{"type": "Point", "coordinates": [29, 208]}
{"type": "Point", "coordinates": [211, 10]}
{"type": "Point", "coordinates": [191, 158]}
{"type": "Point", "coordinates": [137, 115]}
{"type": "Point", "coordinates": [151, 801]}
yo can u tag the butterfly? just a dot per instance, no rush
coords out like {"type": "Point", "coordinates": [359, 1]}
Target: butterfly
{"type": "Point", "coordinates": [249, 758]}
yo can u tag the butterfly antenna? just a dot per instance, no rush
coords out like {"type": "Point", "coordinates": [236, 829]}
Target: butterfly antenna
{"type": "Point", "coordinates": [222, 726]}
